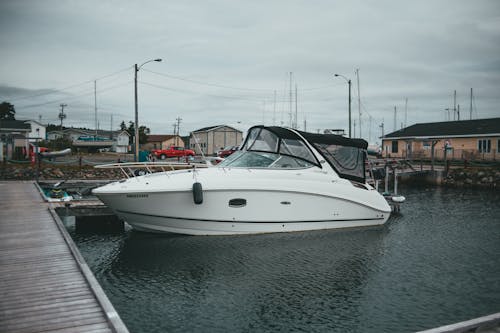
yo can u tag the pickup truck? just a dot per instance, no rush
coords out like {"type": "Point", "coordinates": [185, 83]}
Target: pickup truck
{"type": "Point", "coordinates": [172, 152]}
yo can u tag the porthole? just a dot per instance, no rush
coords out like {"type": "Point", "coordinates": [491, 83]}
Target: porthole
{"type": "Point", "coordinates": [237, 203]}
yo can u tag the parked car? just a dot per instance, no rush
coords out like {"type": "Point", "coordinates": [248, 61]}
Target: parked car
{"type": "Point", "coordinates": [227, 151]}
{"type": "Point", "coordinates": [172, 152]}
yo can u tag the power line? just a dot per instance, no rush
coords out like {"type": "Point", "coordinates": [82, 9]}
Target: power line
{"type": "Point", "coordinates": [54, 91]}
{"type": "Point", "coordinates": [206, 83]}
{"type": "Point", "coordinates": [72, 97]}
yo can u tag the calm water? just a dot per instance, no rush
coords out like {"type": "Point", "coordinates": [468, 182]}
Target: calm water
{"type": "Point", "coordinates": [436, 263]}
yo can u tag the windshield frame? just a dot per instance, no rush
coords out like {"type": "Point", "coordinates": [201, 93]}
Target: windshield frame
{"type": "Point", "coordinates": [279, 144]}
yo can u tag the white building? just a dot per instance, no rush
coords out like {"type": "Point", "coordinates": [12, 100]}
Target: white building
{"type": "Point", "coordinates": [121, 142]}
{"type": "Point", "coordinates": [38, 131]}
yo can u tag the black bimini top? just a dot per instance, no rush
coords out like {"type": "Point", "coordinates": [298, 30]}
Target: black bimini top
{"type": "Point", "coordinates": [345, 155]}
{"type": "Point", "coordinates": [329, 139]}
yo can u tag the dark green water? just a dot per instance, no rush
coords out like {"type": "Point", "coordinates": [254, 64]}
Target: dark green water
{"type": "Point", "coordinates": [437, 263]}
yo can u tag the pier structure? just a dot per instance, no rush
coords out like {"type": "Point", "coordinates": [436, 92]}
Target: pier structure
{"type": "Point", "coordinates": [46, 284]}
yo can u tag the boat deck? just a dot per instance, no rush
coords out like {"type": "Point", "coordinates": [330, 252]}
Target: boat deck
{"type": "Point", "coordinates": [45, 284]}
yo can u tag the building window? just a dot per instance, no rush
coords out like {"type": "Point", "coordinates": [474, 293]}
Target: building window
{"type": "Point", "coordinates": [394, 147]}
{"type": "Point", "coordinates": [484, 146]}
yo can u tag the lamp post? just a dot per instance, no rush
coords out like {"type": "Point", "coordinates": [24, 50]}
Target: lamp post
{"type": "Point", "coordinates": [349, 83]}
{"type": "Point", "coordinates": [136, 133]}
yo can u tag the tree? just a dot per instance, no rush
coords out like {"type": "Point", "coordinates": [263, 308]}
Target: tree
{"type": "Point", "coordinates": [143, 133]}
{"type": "Point", "coordinates": [7, 111]}
{"type": "Point", "coordinates": [123, 127]}
{"type": "Point", "coordinates": [131, 132]}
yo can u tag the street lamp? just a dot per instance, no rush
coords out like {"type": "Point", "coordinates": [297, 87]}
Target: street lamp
{"type": "Point", "coordinates": [136, 134]}
{"type": "Point", "coordinates": [349, 83]}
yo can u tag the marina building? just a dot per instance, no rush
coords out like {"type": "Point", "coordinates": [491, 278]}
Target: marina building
{"type": "Point", "coordinates": [477, 139]}
{"type": "Point", "coordinates": [214, 138]}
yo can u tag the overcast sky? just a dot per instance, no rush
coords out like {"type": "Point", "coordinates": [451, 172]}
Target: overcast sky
{"type": "Point", "coordinates": [223, 61]}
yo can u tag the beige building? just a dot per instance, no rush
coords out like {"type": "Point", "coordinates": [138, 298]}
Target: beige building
{"type": "Point", "coordinates": [162, 141]}
{"type": "Point", "coordinates": [477, 139]}
{"type": "Point", "coordinates": [214, 138]}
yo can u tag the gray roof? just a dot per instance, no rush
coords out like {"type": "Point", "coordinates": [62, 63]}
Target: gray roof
{"type": "Point", "coordinates": [14, 125]}
{"type": "Point", "coordinates": [211, 128]}
{"type": "Point", "coordinates": [449, 128]}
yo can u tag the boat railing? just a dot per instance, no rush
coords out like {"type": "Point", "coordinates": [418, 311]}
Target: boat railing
{"type": "Point", "coordinates": [134, 169]}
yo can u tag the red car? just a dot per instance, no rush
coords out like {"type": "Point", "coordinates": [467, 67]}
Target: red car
{"type": "Point", "coordinates": [172, 152]}
{"type": "Point", "coordinates": [227, 151]}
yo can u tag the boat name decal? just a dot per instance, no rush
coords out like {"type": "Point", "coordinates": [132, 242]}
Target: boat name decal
{"type": "Point", "coordinates": [137, 195]}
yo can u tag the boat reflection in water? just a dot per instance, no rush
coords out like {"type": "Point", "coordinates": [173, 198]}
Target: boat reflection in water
{"type": "Point", "coordinates": [281, 180]}
{"type": "Point", "coordinates": [238, 282]}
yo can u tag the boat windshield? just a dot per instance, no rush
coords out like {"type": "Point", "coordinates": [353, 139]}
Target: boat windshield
{"type": "Point", "coordinates": [264, 149]}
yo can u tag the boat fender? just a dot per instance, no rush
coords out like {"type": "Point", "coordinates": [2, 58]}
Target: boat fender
{"type": "Point", "coordinates": [399, 199]}
{"type": "Point", "coordinates": [197, 193]}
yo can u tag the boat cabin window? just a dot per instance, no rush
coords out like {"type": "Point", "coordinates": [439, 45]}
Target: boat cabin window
{"type": "Point", "coordinates": [348, 161]}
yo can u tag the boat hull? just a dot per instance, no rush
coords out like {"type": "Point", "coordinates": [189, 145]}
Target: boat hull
{"type": "Point", "coordinates": [256, 212]}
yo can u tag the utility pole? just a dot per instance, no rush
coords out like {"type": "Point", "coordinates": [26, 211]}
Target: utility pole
{"type": "Point", "coordinates": [349, 101]}
{"type": "Point", "coordinates": [178, 119]}
{"type": "Point", "coordinates": [458, 112]}
{"type": "Point", "coordinates": [359, 103]}
{"type": "Point", "coordinates": [382, 127]}
{"type": "Point", "coordinates": [454, 103]}
{"type": "Point", "coordinates": [61, 114]}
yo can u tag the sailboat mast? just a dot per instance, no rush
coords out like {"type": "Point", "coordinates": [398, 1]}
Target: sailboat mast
{"type": "Point", "coordinates": [470, 110]}
{"type": "Point", "coordinates": [359, 103]}
{"type": "Point", "coordinates": [291, 120]}
{"type": "Point", "coordinates": [296, 109]}
{"type": "Point", "coordinates": [406, 110]}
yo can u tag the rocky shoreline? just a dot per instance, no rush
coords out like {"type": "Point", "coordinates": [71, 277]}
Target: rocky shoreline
{"type": "Point", "coordinates": [27, 172]}
{"type": "Point", "coordinates": [460, 177]}
{"type": "Point", "coordinates": [473, 178]}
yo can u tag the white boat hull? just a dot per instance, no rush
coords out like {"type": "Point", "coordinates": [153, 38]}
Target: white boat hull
{"type": "Point", "coordinates": [265, 211]}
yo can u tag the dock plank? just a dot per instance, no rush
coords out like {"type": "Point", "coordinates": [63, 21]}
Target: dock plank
{"type": "Point", "coordinates": [45, 284]}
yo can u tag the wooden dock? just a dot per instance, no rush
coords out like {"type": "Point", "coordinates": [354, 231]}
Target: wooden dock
{"type": "Point", "coordinates": [45, 285]}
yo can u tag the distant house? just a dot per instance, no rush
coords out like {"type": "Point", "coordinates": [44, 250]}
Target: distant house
{"type": "Point", "coordinates": [463, 139]}
{"type": "Point", "coordinates": [120, 144]}
{"type": "Point", "coordinates": [38, 131]}
{"type": "Point", "coordinates": [92, 140]}
{"type": "Point", "coordinates": [213, 138]}
{"type": "Point", "coordinates": [162, 141]}
{"type": "Point", "coordinates": [14, 136]}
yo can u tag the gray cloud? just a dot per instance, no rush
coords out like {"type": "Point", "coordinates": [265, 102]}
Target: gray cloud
{"type": "Point", "coordinates": [421, 51]}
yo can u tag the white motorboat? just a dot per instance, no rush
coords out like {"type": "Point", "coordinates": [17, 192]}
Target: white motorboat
{"type": "Point", "coordinates": [281, 180]}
